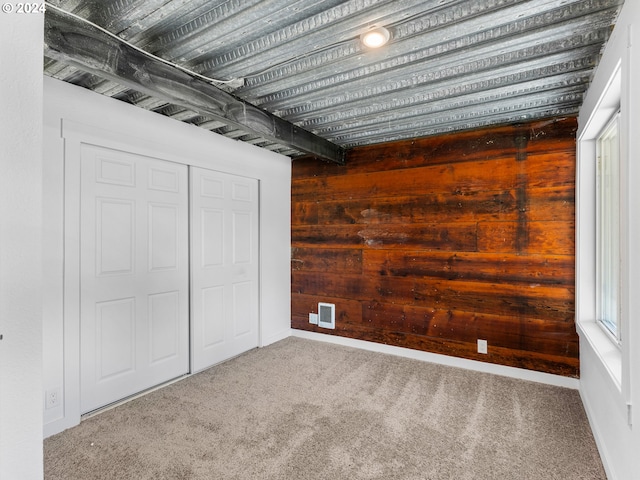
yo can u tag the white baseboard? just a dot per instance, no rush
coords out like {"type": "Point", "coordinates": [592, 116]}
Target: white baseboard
{"type": "Point", "coordinates": [513, 372]}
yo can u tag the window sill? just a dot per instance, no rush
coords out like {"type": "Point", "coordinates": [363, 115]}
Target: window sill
{"type": "Point", "coordinates": [609, 354]}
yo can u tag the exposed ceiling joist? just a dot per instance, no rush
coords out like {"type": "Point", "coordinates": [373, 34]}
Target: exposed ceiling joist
{"type": "Point", "coordinates": [80, 44]}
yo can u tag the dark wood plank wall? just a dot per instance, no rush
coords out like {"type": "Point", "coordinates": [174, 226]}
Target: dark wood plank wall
{"type": "Point", "coordinates": [434, 243]}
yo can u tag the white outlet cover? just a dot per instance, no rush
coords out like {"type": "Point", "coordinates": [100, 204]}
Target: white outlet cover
{"type": "Point", "coordinates": [482, 346]}
{"type": "Point", "coordinates": [52, 398]}
{"type": "Point", "coordinates": [313, 318]}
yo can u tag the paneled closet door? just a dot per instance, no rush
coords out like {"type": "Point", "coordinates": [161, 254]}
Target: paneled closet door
{"type": "Point", "coordinates": [224, 266]}
{"type": "Point", "coordinates": [134, 324]}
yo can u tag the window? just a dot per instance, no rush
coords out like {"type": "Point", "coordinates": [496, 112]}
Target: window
{"type": "Point", "coordinates": [608, 229]}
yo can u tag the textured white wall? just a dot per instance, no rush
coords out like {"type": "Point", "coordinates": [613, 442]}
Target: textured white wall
{"type": "Point", "coordinates": [21, 39]}
{"type": "Point", "coordinates": [606, 395]}
{"type": "Point", "coordinates": [68, 108]}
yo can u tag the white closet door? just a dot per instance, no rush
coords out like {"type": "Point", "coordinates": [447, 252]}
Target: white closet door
{"type": "Point", "coordinates": [134, 274]}
{"type": "Point", "coordinates": [224, 266]}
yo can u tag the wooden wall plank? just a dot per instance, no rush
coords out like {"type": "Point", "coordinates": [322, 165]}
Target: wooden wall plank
{"type": "Point", "coordinates": [433, 243]}
{"type": "Point", "coordinates": [504, 330]}
{"type": "Point", "coordinates": [326, 260]}
{"type": "Point", "coordinates": [553, 238]}
{"type": "Point", "coordinates": [546, 170]}
{"type": "Point", "coordinates": [424, 208]}
{"type": "Point", "coordinates": [304, 213]}
{"type": "Point", "coordinates": [335, 285]}
{"type": "Point", "coordinates": [451, 237]}
{"type": "Point", "coordinates": [552, 204]}
{"type": "Point", "coordinates": [484, 267]}
{"type": "Point", "coordinates": [555, 303]}
{"type": "Point", "coordinates": [454, 178]}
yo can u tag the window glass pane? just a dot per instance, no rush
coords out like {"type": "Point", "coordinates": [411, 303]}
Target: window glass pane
{"type": "Point", "coordinates": [608, 228]}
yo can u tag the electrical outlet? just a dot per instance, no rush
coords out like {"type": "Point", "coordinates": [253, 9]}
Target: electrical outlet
{"type": "Point", "coordinates": [313, 318]}
{"type": "Point", "coordinates": [482, 346]}
{"type": "Point", "coordinates": [52, 398]}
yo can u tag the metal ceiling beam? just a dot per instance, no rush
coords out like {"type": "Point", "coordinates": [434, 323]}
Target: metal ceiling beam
{"type": "Point", "coordinates": [75, 42]}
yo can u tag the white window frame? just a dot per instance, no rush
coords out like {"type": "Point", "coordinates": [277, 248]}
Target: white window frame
{"type": "Point", "coordinates": [609, 351]}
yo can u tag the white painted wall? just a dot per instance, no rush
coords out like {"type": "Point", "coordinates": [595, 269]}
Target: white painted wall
{"type": "Point", "coordinates": [609, 378]}
{"type": "Point", "coordinates": [78, 115]}
{"type": "Point", "coordinates": [21, 246]}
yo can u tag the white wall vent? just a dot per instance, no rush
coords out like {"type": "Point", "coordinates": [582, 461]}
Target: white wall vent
{"type": "Point", "coordinates": [327, 315]}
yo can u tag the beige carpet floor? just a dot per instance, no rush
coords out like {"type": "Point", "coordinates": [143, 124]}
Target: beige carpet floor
{"type": "Point", "coordinates": [301, 409]}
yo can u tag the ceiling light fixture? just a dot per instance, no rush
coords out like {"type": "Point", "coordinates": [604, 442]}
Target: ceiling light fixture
{"type": "Point", "coordinates": [375, 38]}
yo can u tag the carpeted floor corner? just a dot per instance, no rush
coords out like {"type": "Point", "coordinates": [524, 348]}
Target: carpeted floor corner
{"type": "Point", "coordinates": [301, 409]}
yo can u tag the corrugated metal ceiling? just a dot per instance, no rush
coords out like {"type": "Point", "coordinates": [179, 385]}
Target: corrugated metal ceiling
{"type": "Point", "coordinates": [450, 65]}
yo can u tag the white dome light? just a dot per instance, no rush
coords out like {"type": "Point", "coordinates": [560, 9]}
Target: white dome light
{"type": "Point", "coordinates": [375, 38]}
